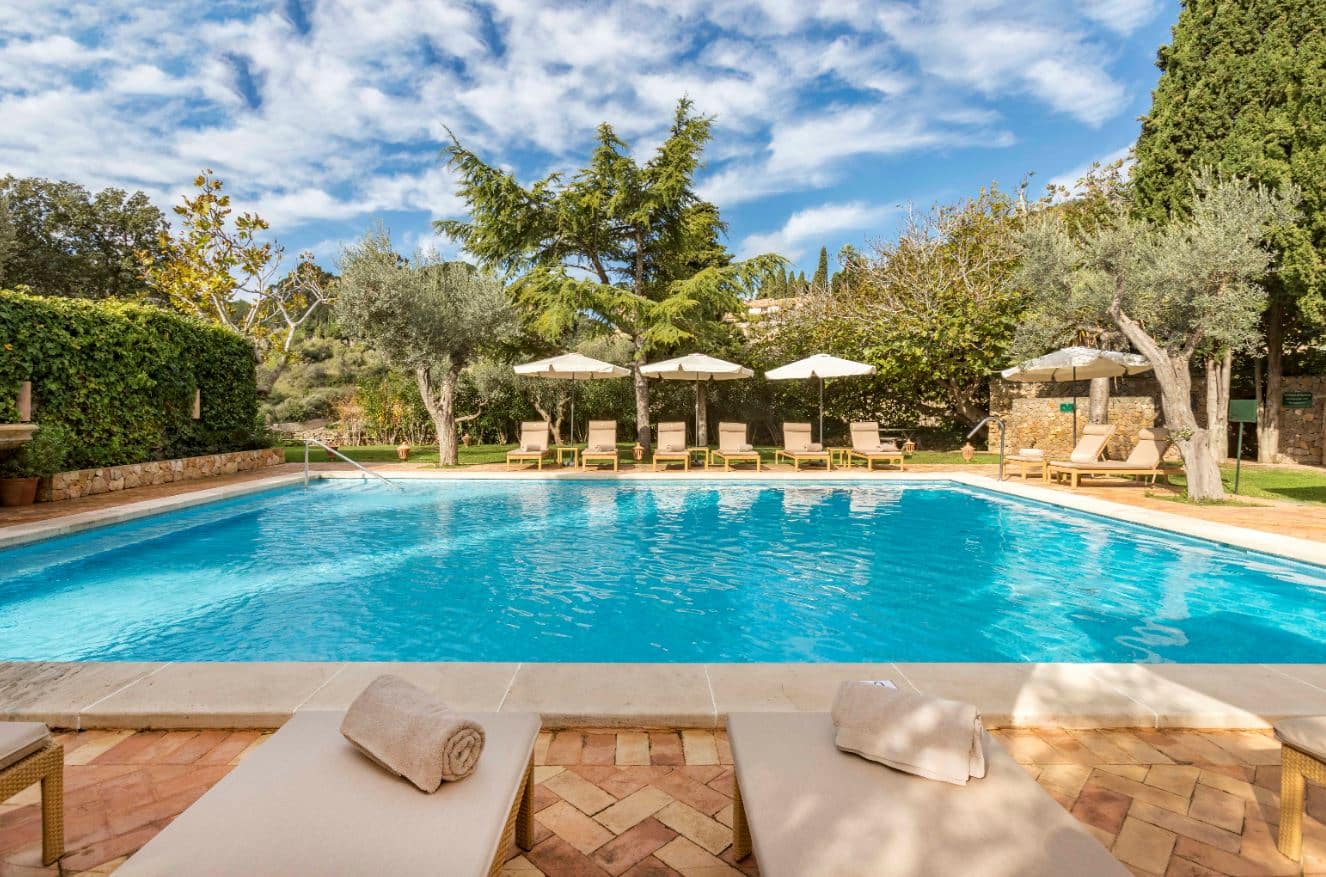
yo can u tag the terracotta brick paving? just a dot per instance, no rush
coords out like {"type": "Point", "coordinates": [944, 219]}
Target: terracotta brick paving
{"type": "Point", "coordinates": [1169, 803]}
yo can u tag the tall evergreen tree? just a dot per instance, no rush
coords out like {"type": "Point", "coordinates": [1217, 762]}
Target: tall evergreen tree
{"type": "Point", "coordinates": [1243, 90]}
{"type": "Point", "coordinates": [821, 280]}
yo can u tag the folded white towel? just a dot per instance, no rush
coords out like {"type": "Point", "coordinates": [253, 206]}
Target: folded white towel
{"type": "Point", "coordinates": [1032, 453]}
{"type": "Point", "coordinates": [926, 736]}
{"type": "Point", "coordinates": [410, 733]}
{"type": "Point", "coordinates": [601, 449]}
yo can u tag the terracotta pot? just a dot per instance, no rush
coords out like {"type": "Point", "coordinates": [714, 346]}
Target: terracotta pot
{"type": "Point", "coordinates": [968, 452]}
{"type": "Point", "coordinates": [18, 491]}
{"type": "Point", "coordinates": [638, 452]}
{"type": "Point", "coordinates": [403, 451]}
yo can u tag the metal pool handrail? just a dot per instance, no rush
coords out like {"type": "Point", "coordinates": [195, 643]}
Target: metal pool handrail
{"type": "Point", "coordinates": [329, 449]}
{"type": "Point", "coordinates": [1000, 422]}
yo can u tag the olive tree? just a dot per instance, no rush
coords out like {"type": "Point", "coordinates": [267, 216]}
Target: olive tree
{"type": "Point", "coordinates": [429, 316]}
{"type": "Point", "coordinates": [1175, 291]}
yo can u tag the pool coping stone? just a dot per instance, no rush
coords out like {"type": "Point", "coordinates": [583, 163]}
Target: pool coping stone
{"type": "Point", "coordinates": [265, 694]}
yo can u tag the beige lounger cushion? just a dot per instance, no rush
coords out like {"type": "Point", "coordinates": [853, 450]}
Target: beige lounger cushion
{"type": "Point", "coordinates": [307, 802]}
{"type": "Point", "coordinates": [1307, 735]}
{"type": "Point", "coordinates": [815, 811]}
{"type": "Point", "coordinates": [18, 740]}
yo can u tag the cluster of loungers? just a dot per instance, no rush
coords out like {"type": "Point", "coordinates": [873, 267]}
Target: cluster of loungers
{"type": "Point", "coordinates": [536, 447]}
{"type": "Point", "coordinates": [1145, 461]}
{"type": "Point", "coordinates": [908, 787]}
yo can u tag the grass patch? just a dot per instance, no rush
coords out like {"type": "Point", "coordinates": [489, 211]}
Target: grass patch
{"type": "Point", "coordinates": [1297, 484]}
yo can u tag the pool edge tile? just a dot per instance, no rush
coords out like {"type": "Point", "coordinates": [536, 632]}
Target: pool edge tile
{"type": "Point", "coordinates": [613, 695]}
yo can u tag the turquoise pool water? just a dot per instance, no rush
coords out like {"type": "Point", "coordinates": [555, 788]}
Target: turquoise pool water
{"type": "Point", "coordinates": [660, 571]}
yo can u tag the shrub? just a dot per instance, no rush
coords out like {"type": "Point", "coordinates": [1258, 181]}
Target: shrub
{"type": "Point", "coordinates": [121, 379]}
{"type": "Point", "coordinates": [43, 456]}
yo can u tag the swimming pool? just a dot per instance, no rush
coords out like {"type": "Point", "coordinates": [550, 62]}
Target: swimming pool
{"type": "Point", "coordinates": [472, 570]}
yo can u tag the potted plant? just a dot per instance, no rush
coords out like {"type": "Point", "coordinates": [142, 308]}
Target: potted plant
{"type": "Point", "coordinates": [403, 451]}
{"type": "Point", "coordinates": [40, 458]}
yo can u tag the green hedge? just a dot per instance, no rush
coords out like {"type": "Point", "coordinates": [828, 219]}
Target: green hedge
{"type": "Point", "coordinates": [121, 378]}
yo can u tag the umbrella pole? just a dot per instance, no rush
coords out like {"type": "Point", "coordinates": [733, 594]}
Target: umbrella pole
{"type": "Point", "coordinates": [1074, 406]}
{"type": "Point", "coordinates": [698, 439]}
{"type": "Point", "coordinates": [821, 410]}
{"type": "Point", "coordinates": [573, 411]}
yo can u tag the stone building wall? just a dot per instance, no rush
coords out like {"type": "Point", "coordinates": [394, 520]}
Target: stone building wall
{"type": "Point", "coordinates": [108, 479]}
{"type": "Point", "coordinates": [1033, 419]}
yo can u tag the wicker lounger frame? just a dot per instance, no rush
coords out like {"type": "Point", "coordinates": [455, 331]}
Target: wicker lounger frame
{"type": "Point", "coordinates": [519, 823]}
{"type": "Point", "coordinates": [730, 457]}
{"type": "Point", "coordinates": [45, 766]}
{"type": "Point", "coordinates": [1296, 768]}
{"type": "Point", "coordinates": [799, 457]}
{"type": "Point", "coordinates": [892, 458]}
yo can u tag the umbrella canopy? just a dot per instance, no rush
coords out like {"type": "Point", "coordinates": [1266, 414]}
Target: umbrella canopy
{"type": "Point", "coordinates": [1077, 364]}
{"type": "Point", "coordinates": [821, 366]}
{"type": "Point", "coordinates": [697, 367]}
{"type": "Point", "coordinates": [571, 367]}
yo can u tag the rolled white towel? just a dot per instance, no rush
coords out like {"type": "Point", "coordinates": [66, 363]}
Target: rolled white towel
{"type": "Point", "coordinates": [412, 734]}
{"type": "Point", "coordinates": [926, 736]}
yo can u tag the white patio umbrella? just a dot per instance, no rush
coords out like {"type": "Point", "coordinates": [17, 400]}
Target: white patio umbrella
{"type": "Point", "coordinates": [821, 366]}
{"type": "Point", "coordinates": [571, 367]}
{"type": "Point", "coordinates": [698, 368]}
{"type": "Point", "coordinates": [1077, 364]}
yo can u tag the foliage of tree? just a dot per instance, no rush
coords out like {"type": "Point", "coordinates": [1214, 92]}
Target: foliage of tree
{"type": "Point", "coordinates": [1177, 292]}
{"type": "Point", "coordinates": [1243, 90]}
{"type": "Point", "coordinates": [431, 317]}
{"type": "Point", "coordinates": [820, 281]}
{"type": "Point", "coordinates": [619, 247]}
{"type": "Point", "coordinates": [220, 268]}
{"type": "Point", "coordinates": [56, 238]}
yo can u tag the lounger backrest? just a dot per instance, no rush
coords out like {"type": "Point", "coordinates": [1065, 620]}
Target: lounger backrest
{"type": "Point", "coordinates": [796, 436]}
{"type": "Point", "coordinates": [1150, 448]}
{"type": "Point", "coordinates": [865, 436]}
{"type": "Point", "coordinates": [1092, 443]}
{"type": "Point", "coordinates": [732, 437]}
{"type": "Point", "coordinates": [602, 435]}
{"type": "Point", "coordinates": [534, 436]}
{"type": "Point", "coordinates": [672, 437]}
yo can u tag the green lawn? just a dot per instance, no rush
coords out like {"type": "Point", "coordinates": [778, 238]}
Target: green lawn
{"type": "Point", "coordinates": [497, 454]}
{"type": "Point", "coordinates": [1273, 482]}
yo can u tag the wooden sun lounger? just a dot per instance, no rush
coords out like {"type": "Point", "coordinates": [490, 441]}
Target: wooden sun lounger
{"type": "Point", "coordinates": [600, 444]}
{"type": "Point", "coordinates": [808, 809]}
{"type": "Point", "coordinates": [1089, 448]}
{"type": "Point", "coordinates": [534, 435]}
{"type": "Point", "coordinates": [1145, 461]}
{"type": "Point", "coordinates": [733, 447]}
{"type": "Point", "coordinates": [308, 802]}
{"type": "Point", "coordinates": [867, 446]}
{"type": "Point", "coordinates": [29, 756]}
{"type": "Point", "coordinates": [798, 448]}
{"type": "Point", "coordinates": [671, 446]}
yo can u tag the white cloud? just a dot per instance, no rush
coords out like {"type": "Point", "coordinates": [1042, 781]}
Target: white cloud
{"type": "Point", "coordinates": [813, 225]}
{"type": "Point", "coordinates": [1120, 16]}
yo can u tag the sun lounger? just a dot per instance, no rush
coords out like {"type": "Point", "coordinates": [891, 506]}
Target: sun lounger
{"type": "Point", "coordinates": [29, 756]}
{"type": "Point", "coordinates": [812, 810]}
{"type": "Point", "coordinates": [1302, 758]}
{"type": "Point", "coordinates": [1089, 448]}
{"type": "Point", "coordinates": [1145, 461]}
{"type": "Point", "coordinates": [601, 444]}
{"type": "Point", "coordinates": [308, 802]}
{"type": "Point", "coordinates": [534, 435]}
{"type": "Point", "coordinates": [867, 446]}
{"type": "Point", "coordinates": [733, 447]}
{"type": "Point", "coordinates": [671, 446]}
{"type": "Point", "coordinates": [798, 448]}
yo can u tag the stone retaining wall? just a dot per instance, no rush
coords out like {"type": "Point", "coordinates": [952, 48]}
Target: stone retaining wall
{"type": "Point", "coordinates": [108, 479]}
{"type": "Point", "coordinates": [1038, 423]}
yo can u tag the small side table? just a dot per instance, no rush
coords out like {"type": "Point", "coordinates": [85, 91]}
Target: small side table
{"type": "Point", "coordinates": [840, 457]}
{"type": "Point", "coordinates": [703, 453]}
{"type": "Point", "coordinates": [563, 450]}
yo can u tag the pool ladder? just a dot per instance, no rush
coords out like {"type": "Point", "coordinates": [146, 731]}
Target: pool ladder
{"type": "Point", "coordinates": [977, 428]}
{"type": "Point", "coordinates": [331, 450]}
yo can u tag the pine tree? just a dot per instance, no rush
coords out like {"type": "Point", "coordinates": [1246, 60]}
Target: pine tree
{"type": "Point", "coordinates": [1243, 90]}
{"type": "Point", "coordinates": [821, 279]}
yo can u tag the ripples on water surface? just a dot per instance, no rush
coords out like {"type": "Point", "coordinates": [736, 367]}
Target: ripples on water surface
{"type": "Point", "coordinates": [666, 571]}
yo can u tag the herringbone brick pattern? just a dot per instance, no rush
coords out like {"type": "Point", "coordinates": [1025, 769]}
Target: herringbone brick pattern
{"type": "Point", "coordinates": [1171, 803]}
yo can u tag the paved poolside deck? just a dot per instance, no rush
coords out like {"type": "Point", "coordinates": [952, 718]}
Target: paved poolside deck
{"type": "Point", "coordinates": [659, 804]}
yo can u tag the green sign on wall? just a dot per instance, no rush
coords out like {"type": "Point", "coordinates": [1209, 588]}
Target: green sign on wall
{"type": "Point", "coordinates": [1297, 399]}
{"type": "Point", "coordinates": [1066, 407]}
{"type": "Point", "coordinates": [1242, 410]}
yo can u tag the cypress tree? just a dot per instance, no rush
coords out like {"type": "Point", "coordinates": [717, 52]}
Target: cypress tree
{"type": "Point", "coordinates": [1243, 90]}
{"type": "Point", "coordinates": [821, 279]}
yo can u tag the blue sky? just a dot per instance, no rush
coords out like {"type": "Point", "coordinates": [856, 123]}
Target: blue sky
{"type": "Point", "coordinates": [325, 116]}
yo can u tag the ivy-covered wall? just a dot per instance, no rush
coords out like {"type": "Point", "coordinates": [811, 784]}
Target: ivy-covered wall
{"type": "Point", "coordinates": [121, 378]}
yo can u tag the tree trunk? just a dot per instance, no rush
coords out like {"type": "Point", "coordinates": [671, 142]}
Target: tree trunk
{"type": "Point", "coordinates": [1268, 426]}
{"type": "Point", "coordinates": [440, 400]}
{"type": "Point", "coordinates": [1175, 379]}
{"type": "Point", "coordinates": [701, 414]}
{"type": "Point", "coordinates": [1098, 401]}
{"type": "Point", "coordinates": [1218, 369]}
{"type": "Point", "coordinates": [642, 434]}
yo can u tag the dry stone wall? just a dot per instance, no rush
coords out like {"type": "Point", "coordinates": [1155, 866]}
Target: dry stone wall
{"type": "Point", "coordinates": [108, 479]}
